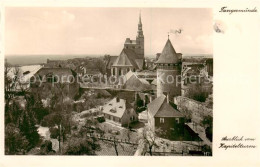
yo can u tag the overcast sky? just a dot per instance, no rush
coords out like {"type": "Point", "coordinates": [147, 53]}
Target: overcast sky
{"type": "Point", "coordinates": [103, 30]}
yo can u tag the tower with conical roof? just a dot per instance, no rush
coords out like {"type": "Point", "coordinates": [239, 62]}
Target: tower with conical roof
{"type": "Point", "coordinates": [169, 72]}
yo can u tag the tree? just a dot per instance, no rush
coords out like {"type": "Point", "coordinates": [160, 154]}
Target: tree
{"type": "Point", "coordinates": [29, 130]}
{"type": "Point", "coordinates": [207, 122]}
{"type": "Point", "coordinates": [197, 93]}
{"type": "Point", "coordinates": [46, 148]}
{"type": "Point", "coordinates": [101, 66]}
{"type": "Point", "coordinates": [85, 142]}
{"type": "Point", "coordinates": [79, 145]}
{"type": "Point", "coordinates": [150, 139]}
{"type": "Point", "coordinates": [15, 142]}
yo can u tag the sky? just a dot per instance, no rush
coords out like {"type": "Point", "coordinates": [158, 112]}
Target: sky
{"type": "Point", "coordinates": [99, 31]}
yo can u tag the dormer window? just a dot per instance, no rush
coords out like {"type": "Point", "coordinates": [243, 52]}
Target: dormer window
{"type": "Point", "coordinates": [112, 110]}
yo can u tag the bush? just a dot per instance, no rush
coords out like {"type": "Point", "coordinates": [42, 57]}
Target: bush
{"type": "Point", "coordinates": [51, 120]}
{"type": "Point", "coordinates": [54, 133]}
{"type": "Point", "coordinates": [209, 133]}
{"type": "Point", "coordinates": [100, 119]}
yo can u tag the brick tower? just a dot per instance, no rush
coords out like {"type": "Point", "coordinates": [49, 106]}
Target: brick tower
{"type": "Point", "coordinates": [168, 69]}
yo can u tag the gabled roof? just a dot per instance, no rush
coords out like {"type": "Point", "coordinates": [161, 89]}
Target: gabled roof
{"type": "Point", "coordinates": [168, 55]}
{"type": "Point", "coordinates": [115, 108]}
{"type": "Point", "coordinates": [155, 105]}
{"type": "Point", "coordinates": [126, 58]}
{"type": "Point", "coordinates": [167, 110]}
{"type": "Point", "coordinates": [55, 71]}
{"type": "Point", "coordinates": [111, 61]}
{"type": "Point", "coordinates": [135, 83]}
{"type": "Point", "coordinates": [160, 108]}
{"type": "Point", "coordinates": [140, 63]}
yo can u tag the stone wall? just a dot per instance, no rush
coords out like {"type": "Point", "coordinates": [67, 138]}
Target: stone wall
{"type": "Point", "coordinates": [192, 109]}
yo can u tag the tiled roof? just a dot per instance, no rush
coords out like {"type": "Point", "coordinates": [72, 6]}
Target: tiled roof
{"type": "Point", "coordinates": [155, 105]}
{"type": "Point", "coordinates": [128, 58]}
{"type": "Point", "coordinates": [112, 60]}
{"type": "Point", "coordinates": [115, 108]}
{"type": "Point", "coordinates": [168, 54]}
{"type": "Point", "coordinates": [55, 71]}
{"type": "Point", "coordinates": [135, 83]}
{"type": "Point", "coordinates": [166, 110]}
{"type": "Point", "coordinates": [160, 108]}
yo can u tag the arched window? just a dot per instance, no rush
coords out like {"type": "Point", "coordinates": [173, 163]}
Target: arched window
{"type": "Point", "coordinates": [134, 69]}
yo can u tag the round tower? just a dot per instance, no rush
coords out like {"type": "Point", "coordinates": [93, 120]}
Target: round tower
{"type": "Point", "coordinates": [169, 72]}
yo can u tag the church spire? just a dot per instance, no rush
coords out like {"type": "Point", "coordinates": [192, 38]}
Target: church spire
{"type": "Point", "coordinates": [140, 20]}
{"type": "Point", "coordinates": [140, 27]}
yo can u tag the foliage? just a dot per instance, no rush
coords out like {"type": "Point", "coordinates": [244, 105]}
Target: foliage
{"type": "Point", "coordinates": [150, 139]}
{"type": "Point", "coordinates": [209, 133]}
{"type": "Point", "coordinates": [81, 146]}
{"type": "Point", "coordinates": [15, 142]}
{"type": "Point", "coordinates": [28, 129]}
{"type": "Point", "coordinates": [51, 120]}
{"type": "Point", "coordinates": [197, 93]}
{"type": "Point", "coordinates": [54, 132]}
{"type": "Point", "coordinates": [46, 148]}
{"type": "Point", "coordinates": [207, 122]}
{"type": "Point", "coordinates": [80, 143]}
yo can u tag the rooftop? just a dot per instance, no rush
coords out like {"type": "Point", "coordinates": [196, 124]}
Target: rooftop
{"type": "Point", "coordinates": [169, 54]}
{"type": "Point", "coordinates": [160, 108]}
{"type": "Point", "coordinates": [115, 108]}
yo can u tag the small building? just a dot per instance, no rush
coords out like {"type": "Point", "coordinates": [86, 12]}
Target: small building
{"type": "Point", "coordinates": [132, 82]}
{"type": "Point", "coordinates": [162, 115]}
{"type": "Point", "coordinates": [120, 111]}
{"type": "Point", "coordinates": [46, 81]}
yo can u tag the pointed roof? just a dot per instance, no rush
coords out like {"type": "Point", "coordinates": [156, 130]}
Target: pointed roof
{"type": "Point", "coordinates": [155, 105]}
{"type": "Point", "coordinates": [135, 83]}
{"type": "Point", "coordinates": [140, 20]}
{"type": "Point", "coordinates": [160, 108]}
{"type": "Point", "coordinates": [168, 55]}
{"type": "Point", "coordinates": [127, 58]}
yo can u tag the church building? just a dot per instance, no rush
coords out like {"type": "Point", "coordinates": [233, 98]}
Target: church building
{"type": "Point", "coordinates": [131, 56]}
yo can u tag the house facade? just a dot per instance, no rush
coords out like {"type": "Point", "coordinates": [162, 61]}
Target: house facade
{"type": "Point", "coordinates": [164, 117]}
{"type": "Point", "coordinates": [49, 80]}
{"type": "Point", "coordinates": [120, 111]}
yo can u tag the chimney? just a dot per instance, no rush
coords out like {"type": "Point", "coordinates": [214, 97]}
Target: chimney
{"type": "Point", "coordinates": [167, 98]}
{"type": "Point", "coordinates": [151, 98]}
{"type": "Point", "coordinates": [117, 99]}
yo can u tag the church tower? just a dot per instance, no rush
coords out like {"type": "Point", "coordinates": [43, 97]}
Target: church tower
{"type": "Point", "coordinates": [140, 39]}
{"type": "Point", "coordinates": [169, 72]}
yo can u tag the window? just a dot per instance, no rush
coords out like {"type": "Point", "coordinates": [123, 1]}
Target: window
{"type": "Point", "coordinates": [177, 120]}
{"type": "Point", "coordinates": [114, 71]}
{"type": "Point", "coordinates": [161, 120]}
{"type": "Point", "coordinates": [119, 71]}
